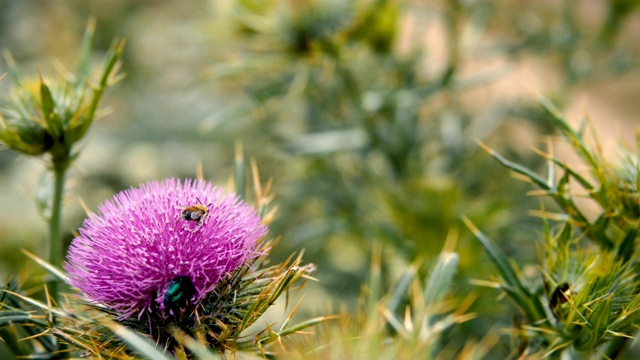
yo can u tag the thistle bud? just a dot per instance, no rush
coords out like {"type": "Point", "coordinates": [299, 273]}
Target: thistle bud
{"type": "Point", "coordinates": [20, 131]}
{"type": "Point", "coordinates": [41, 116]}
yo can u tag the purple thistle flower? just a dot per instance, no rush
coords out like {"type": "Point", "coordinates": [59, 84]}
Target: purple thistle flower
{"type": "Point", "coordinates": [127, 256]}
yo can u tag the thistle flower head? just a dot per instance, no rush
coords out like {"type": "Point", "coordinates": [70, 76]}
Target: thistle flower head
{"type": "Point", "coordinates": [129, 256]}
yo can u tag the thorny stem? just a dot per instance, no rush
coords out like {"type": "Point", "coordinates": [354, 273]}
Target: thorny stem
{"type": "Point", "coordinates": [55, 239]}
{"type": "Point", "coordinates": [56, 247]}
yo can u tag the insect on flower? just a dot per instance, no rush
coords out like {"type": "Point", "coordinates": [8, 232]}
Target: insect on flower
{"type": "Point", "coordinates": [179, 292]}
{"type": "Point", "coordinates": [197, 212]}
{"type": "Point", "coordinates": [117, 235]}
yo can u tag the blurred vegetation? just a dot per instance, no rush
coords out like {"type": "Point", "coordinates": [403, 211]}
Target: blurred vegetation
{"type": "Point", "coordinates": [364, 113]}
{"type": "Point", "coordinates": [586, 299]}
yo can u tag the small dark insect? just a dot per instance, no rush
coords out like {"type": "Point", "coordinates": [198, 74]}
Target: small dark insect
{"type": "Point", "coordinates": [559, 296]}
{"type": "Point", "coordinates": [179, 292]}
{"type": "Point", "coordinates": [197, 212]}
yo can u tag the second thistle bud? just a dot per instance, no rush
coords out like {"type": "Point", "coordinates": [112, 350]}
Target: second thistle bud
{"type": "Point", "coordinates": [30, 120]}
{"type": "Point", "coordinates": [41, 116]}
{"type": "Point", "coordinates": [21, 129]}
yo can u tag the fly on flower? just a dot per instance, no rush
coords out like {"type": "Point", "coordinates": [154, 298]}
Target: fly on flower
{"type": "Point", "coordinates": [197, 212]}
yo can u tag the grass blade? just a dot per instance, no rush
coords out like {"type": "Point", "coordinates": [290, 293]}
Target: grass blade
{"type": "Point", "coordinates": [50, 268]}
{"type": "Point", "coordinates": [441, 278]}
{"type": "Point", "coordinates": [528, 303]}
{"type": "Point", "coordinates": [515, 167]}
{"type": "Point", "coordinates": [139, 343]}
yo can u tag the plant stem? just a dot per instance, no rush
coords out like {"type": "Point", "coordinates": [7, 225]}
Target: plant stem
{"type": "Point", "coordinates": [55, 239]}
{"type": "Point", "coordinates": [615, 348]}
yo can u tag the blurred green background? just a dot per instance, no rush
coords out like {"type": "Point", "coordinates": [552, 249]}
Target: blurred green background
{"type": "Point", "coordinates": [363, 112]}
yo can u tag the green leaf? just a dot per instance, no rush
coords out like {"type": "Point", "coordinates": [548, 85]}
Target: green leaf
{"type": "Point", "coordinates": [375, 281]}
{"type": "Point", "coordinates": [599, 227]}
{"type": "Point", "coordinates": [9, 317]}
{"type": "Point", "coordinates": [199, 350]}
{"type": "Point", "coordinates": [400, 290]}
{"type": "Point", "coordinates": [530, 174]}
{"type": "Point", "coordinates": [52, 269]}
{"type": "Point", "coordinates": [239, 172]}
{"type": "Point", "coordinates": [140, 344]}
{"type": "Point", "coordinates": [596, 329]}
{"type": "Point", "coordinates": [10, 337]}
{"type": "Point", "coordinates": [441, 278]}
{"type": "Point", "coordinates": [12, 285]}
{"type": "Point", "coordinates": [583, 182]}
{"type": "Point", "coordinates": [566, 235]}
{"type": "Point", "coordinates": [272, 336]}
{"type": "Point", "coordinates": [528, 302]}
{"type": "Point", "coordinates": [84, 63]}
{"type": "Point", "coordinates": [39, 304]}
{"type": "Point", "coordinates": [112, 58]}
{"type": "Point", "coordinates": [13, 69]}
{"type": "Point", "coordinates": [576, 138]}
{"type": "Point", "coordinates": [48, 106]}
{"type": "Point", "coordinates": [305, 324]}
{"type": "Point", "coordinates": [627, 246]}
